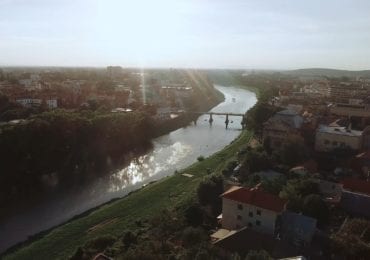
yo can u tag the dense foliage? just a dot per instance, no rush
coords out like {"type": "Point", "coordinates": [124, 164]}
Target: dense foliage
{"type": "Point", "coordinates": [60, 148]}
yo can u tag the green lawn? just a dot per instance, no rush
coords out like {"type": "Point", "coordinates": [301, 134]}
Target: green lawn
{"type": "Point", "coordinates": [121, 214]}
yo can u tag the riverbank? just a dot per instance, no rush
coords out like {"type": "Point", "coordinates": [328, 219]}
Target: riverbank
{"type": "Point", "coordinates": [116, 217]}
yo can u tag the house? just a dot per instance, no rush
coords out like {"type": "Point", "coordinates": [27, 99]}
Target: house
{"type": "Point", "coordinates": [297, 229]}
{"type": "Point", "coordinates": [344, 91]}
{"type": "Point", "coordinates": [253, 208]}
{"type": "Point", "coordinates": [246, 239]}
{"type": "Point", "coordinates": [361, 163]}
{"type": "Point", "coordinates": [356, 197]}
{"type": "Point", "coordinates": [114, 71]}
{"type": "Point", "coordinates": [281, 127]}
{"type": "Point", "coordinates": [356, 185]}
{"type": "Point", "coordinates": [29, 102]}
{"type": "Point", "coordinates": [348, 110]}
{"type": "Point", "coordinates": [329, 138]}
{"type": "Point", "coordinates": [51, 103]}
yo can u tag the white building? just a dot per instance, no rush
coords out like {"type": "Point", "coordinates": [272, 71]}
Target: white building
{"type": "Point", "coordinates": [329, 138]}
{"type": "Point", "coordinates": [29, 102]}
{"type": "Point", "coordinates": [253, 208]}
{"type": "Point", "coordinates": [52, 103]}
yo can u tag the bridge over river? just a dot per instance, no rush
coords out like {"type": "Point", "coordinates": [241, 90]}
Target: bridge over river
{"type": "Point", "coordinates": [211, 114]}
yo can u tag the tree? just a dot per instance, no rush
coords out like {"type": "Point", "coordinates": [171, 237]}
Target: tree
{"type": "Point", "coordinates": [105, 86]}
{"type": "Point", "coordinates": [193, 236]}
{"type": "Point", "coordinates": [259, 114]}
{"type": "Point", "coordinates": [297, 189]}
{"type": "Point", "coordinates": [194, 215]}
{"type": "Point", "coordinates": [314, 206]}
{"type": "Point", "coordinates": [255, 161]}
{"type": "Point", "coordinates": [209, 191]}
{"type": "Point", "coordinates": [293, 152]}
{"type": "Point", "coordinates": [273, 186]}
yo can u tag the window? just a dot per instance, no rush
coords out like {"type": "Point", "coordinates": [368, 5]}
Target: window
{"type": "Point", "coordinates": [258, 223]}
{"type": "Point", "coordinates": [335, 143]}
{"type": "Point", "coordinates": [251, 214]}
{"type": "Point", "coordinates": [240, 206]}
{"type": "Point", "coordinates": [259, 212]}
{"type": "Point", "coordinates": [239, 217]}
{"type": "Point", "coordinates": [250, 225]}
{"type": "Point", "coordinates": [326, 142]}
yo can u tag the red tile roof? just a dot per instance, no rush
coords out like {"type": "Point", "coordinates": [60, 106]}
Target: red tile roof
{"type": "Point", "coordinates": [356, 185]}
{"type": "Point", "coordinates": [364, 155]}
{"type": "Point", "coordinates": [256, 197]}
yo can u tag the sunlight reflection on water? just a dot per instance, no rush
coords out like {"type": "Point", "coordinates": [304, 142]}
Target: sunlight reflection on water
{"type": "Point", "coordinates": [170, 152]}
{"type": "Point", "coordinates": [149, 165]}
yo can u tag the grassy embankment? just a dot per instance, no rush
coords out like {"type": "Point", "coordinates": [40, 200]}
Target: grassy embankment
{"type": "Point", "coordinates": [116, 217]}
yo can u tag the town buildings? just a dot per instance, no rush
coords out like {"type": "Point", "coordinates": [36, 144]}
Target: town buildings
{"type": "Point", "coordinates": [284, 125]}
{"type": "Point", "coordinates": [329, 138]}
{"type": "Point", "coordinates": [252, 208]}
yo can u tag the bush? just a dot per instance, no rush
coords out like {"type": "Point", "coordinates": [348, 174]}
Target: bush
{"type": "Point", "coordinates": [100, 243]}
{"type": "Point", "coordinates": [194, 215]}
{"type": "Point", "coordinates": [314, 206]}
{"type": "Point", "coordinates": [209, 191]}
{"type": "Point", "coordinates": [193, 236]}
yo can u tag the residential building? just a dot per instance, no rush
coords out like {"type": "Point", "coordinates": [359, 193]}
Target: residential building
{"type": "Point", "coordinates": [361, 163]}
{"type": "Point", "coordinates": [253, 208]}
{"type": "Point", "coordinates": [244, 240]}
{"type": "Point", "coordinates": [51, 103]}
{"type": "Point", "coordinates": [29, 102]}
{"type": "Point", "coordinates": [356, 197]}
{"type": "Point", "coordinates": [344, 91]}
{"type": "Point", "coordinates": [349, 110]}
{"type": "Point", "coordinates": [114, 71]}
{"type": "Point", "coordinates": [283, 126]}
{"type": "Point", "coordinates": [330, 138]}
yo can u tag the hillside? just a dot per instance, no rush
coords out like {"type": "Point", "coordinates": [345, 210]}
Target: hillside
{"type": "Point", "coordinates": [329, 73]}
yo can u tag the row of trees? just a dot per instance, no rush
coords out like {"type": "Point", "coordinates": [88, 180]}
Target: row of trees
{"type": "Point", "coordinates": [60, 148]}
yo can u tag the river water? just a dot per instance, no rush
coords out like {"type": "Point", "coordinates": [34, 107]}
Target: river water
{"type": "Point", "coordinates": [170, 152]}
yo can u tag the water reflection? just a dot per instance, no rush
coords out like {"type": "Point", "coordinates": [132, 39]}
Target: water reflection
{"type": "Point", "coordinates": [171, 152]}
{"type": "Point", "coordinates": [159, 160]}
{"type": "Point", "coordinates": [180, 148]}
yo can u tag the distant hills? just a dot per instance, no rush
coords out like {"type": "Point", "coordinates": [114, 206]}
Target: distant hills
{"type": "Point", "coordinates": [329, 73]}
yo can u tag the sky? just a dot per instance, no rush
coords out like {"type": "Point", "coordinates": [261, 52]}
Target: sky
{"type": "Point", "coordinates": [251, 34]}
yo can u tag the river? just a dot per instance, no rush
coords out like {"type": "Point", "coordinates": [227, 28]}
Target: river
{"type": "Point", "coordinates": [170, 152]}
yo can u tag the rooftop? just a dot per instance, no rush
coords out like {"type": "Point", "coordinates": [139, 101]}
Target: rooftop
{"type": "Point", "coordinates": [356, 185]}
{"type": "Point", "coordinates": [256, 197]}
{"type": "Point", "coordinates": [339, 130]}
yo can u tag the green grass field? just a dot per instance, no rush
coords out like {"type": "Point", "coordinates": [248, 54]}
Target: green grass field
{"type": "Point", "coordinates": [116, 217]}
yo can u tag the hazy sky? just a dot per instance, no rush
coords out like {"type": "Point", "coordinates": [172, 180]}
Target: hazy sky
{"type": "Point", "coordinates": [274, 34]}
